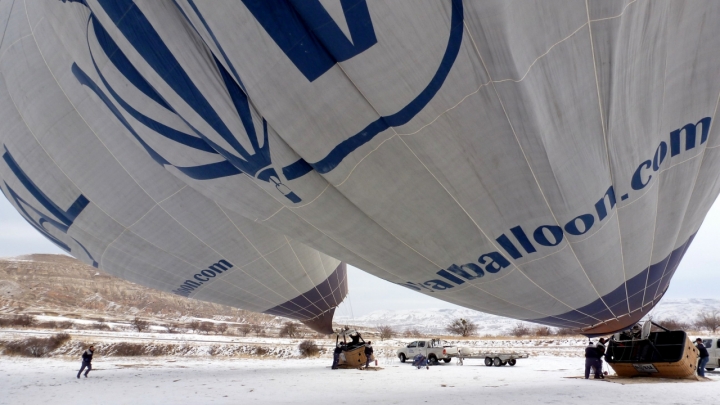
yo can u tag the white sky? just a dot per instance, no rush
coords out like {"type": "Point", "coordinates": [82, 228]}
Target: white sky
{"type": "Point", "coordinates": [697, 277]}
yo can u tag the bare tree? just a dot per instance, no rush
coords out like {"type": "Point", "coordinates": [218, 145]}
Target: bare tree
{"type": "Point", "coordinates": [140, 324]}
{"type": "Point", "coordinates": [244, 329]}
{"type": "Point", "coordinates": [206, 327]}
{"type": "Point", "coordinates": [566, 332]}
{"type": "Point", "coordinates": [258, 329]}
{"type": "Point", "coordinates": [673, 324]}
{"type": "Point", "coordinates": [541, 331]}
{"type": "Point", "coordinates": [172, 327]}
{"type": "Point", "coordinates": [386, 332]}
{"type": "Point", "coordinates": [520, 329]}
{"type": "Point", "coordinates": [194, 325]}
{"type": "Point", "coordinates": [412, 332]}
{"type": "Point", "coordinates": [221, 328]}
{"type": "Point", "coordinates": [289, 329]}
{"type": "Point", "coordinates": [462, 327]}
{"type": "Point", "coordinates": [709, 320]}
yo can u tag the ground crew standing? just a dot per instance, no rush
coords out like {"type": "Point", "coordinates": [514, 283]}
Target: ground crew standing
{"type": "Point", "coordinates": [600, 347]}
{"type": "Point", "coordinates": [704, 357]}
{"type": "Point", "coordinates": [368, 353]}
{"type": "Point", "coordinates": [86, 361]}
{"type": "Point", "coordinates": [336, 356]}
{"type": "Point", "coordinates": [591, 358]}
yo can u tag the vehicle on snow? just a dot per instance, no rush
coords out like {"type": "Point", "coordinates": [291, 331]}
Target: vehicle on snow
{"type": "Point", "coordinates": [434, 350]}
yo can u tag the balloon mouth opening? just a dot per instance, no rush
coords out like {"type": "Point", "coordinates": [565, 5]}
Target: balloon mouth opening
{"type": "Point", "coordinates": [613, 325]}
{"type": "Point", "coordinates": [321, 323]}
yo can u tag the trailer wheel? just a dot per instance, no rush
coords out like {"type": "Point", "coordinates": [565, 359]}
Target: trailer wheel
{"type": "Point", "coordinates": [497, 362]}
{"type": "Point", "coordinates": [402, 358]}
{"type": "Point", "coordinates": [512, 362]}
{"type": "Point", "coordinates": [488, 361]}
{"type": "Point", "coordinates": [448, 361]}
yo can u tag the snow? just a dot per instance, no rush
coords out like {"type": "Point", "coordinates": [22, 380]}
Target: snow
{"type": "Point", "coordinates": [145, 380]}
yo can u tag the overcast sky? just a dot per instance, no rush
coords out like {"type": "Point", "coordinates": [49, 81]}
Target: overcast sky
{"type": "Point", "coordinates": [697, 277]}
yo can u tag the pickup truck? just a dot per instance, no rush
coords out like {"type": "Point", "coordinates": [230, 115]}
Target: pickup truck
{"type": "Point", "coordinates": [713, 347]}
{"type": "Point", "coordinates": [433, 349]}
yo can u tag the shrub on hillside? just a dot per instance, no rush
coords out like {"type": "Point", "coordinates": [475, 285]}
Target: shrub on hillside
{"type": "Point", "coordinates": [36, 347]}
{"type": "Point", "coordinates": [541, 331]}
{"type": "Point", "coordinates": [244, 329]}
{"type": "Point", "coordinates": [520, 329]}
{"type": "Point", "coordinates": [206, 327]}
{"type": "Point", "coordinates": [386, 332]}
{"type": "Point", "coordinates": [308, 348]}
{"type": "Point", "coordinates": [127, 349]}
{"type": "Point", "coordinates": [18, 321]}
{"type": "Point", "coordinates": [140, 324]}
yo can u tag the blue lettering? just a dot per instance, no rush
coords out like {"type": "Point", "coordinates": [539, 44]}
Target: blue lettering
{"type": "Point", "coordinates": [600, 205]}
{"type": "Point", "coordinates": [660, 154]}
{"type": "Point", "coordinates": [309, 37]}
{"type": "Point", "coordinates": [636, 183]}
{"type": "Point", "coordinates": [541, 238]}
{"type": "Point", "coordinates": [586, 219]}
{"type": "Point", "coordinates": [497, 262]}
{"type": "Point", "coordinates": [523, 239]}
{"type": "Point", "coordinates": [690, 136]}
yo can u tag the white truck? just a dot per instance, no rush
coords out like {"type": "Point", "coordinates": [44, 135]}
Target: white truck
{"type": "Point", "coordinates": [434, 350]}
{"type": "Point", "coordinates": [713, 347]}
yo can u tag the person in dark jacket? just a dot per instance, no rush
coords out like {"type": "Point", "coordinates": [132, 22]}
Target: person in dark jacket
{"type": "Point", "coordinates": [86, 361]}
{"type": "Point", "coordinates": [704, 357]}
{"type": "Point", "coordinates": [368, 353]}
{"type": "Point", "coordinates": [336, 356]}
{"type": "Point", "coordinates": [600, 347]}
{"type": "Point", "coordinates": [591, 360]}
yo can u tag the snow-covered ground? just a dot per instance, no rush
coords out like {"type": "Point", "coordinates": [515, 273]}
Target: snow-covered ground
{"type": "Point", "coordinates": [146, 380]}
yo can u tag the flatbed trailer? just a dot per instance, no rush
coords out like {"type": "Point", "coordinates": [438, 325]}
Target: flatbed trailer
{"type": "Point", "coordinates": [496, 359]}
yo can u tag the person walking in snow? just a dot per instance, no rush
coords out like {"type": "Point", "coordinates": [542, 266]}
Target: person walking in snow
{"type": "Point", "coordinates": [368, 353]}
{"type": "Point", "coordinates": [86, 361]}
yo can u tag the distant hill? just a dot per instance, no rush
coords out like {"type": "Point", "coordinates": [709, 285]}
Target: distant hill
{"type": "Point", "coordinates": [433, 321]}
{"type": "Point", "coordinates": [57, 284]}
{"type": "Point", "coordinates": [60, 285]}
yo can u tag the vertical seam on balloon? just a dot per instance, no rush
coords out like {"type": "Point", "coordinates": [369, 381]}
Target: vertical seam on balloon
{"type": "Point", "coordinates": [266, 260]}
{"type": "Point", "coordinates": [507, 117]}
{"type": "Point", "coordinates": [12, 6]}
{"type": "Point", "coordinates": [308, 275]}
{"type": "Point", "coordinates": [607, 157]}
{"type": "Point", "coordinates": [70, 180]}
{"type": "Point", "coordinates": [657, 195]}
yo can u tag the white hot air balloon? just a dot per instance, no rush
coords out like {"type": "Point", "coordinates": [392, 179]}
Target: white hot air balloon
{"type": "Point", "coordinates": [546, 161]}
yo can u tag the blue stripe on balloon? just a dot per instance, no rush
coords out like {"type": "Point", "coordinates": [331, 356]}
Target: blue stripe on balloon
{"type": "Point", "coordinates": [346, 147]}
{"type": "Point", "coordinates": [620, 298]}
{"type": "Point", "coordinates": [141, 34]}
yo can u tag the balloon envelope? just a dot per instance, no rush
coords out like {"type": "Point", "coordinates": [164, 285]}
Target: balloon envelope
{"type": "Point", "coordinates": [543, 161]}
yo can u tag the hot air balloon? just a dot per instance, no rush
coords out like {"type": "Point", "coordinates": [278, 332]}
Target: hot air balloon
{"type": "Point", "coordinates": [545, 161]}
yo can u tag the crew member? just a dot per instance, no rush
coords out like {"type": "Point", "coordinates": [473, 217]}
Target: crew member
{"type": "Point", "coordinates": [704, 357]}
{"type": "Point", "coordinates": [591, 357]}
